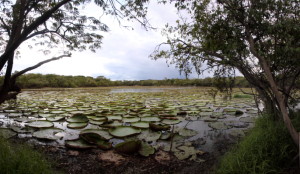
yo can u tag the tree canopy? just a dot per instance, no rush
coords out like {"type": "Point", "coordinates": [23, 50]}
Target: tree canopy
{"type": "Point", "coordinates": [56, 24]}
{"type": "Point", "coordinates": [260, 39]}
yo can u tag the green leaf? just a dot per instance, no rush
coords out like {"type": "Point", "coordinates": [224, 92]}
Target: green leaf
{"type": "Point", "coordinates": [124, 131]}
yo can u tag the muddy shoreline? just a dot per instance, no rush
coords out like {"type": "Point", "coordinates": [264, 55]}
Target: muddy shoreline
{"type": "Point", "coordinates": [72, 161]}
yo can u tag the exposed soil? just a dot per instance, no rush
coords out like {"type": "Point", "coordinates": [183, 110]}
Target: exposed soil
{"type": "Point", "coordinates": [97, 161]}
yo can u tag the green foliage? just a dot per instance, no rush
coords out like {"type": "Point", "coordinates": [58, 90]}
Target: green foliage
{"type": "Point", "coordinates": [59, 81]}
{"type": "Point", "coordinates": [267, 149]}
{"type": "Point", "coordinates": [21, 159]}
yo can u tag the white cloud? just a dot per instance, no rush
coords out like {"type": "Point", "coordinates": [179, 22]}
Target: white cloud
{"type": "Point", "coordinates": [124, 53]}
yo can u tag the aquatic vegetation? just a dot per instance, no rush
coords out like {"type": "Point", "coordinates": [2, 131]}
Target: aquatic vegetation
{"type": "Point", "coordinates": [167, 118]}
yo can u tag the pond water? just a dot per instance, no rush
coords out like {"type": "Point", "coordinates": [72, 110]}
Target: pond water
{"type": "Point", "coordinates": [195, 120]}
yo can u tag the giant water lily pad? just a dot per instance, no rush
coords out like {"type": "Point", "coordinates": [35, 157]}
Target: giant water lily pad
{"type": "Point", "coordinates": [96, 122]}
{"type": "Point", "coordinates": [141, 124]}
{"type": "Point", "coordinates": [114, 118]}
{"type": "Point", "coordinates": [7, 133]}
{"type": "Point", "coordinates": [102, 133]}
{"type": "Point", "coordinates": [186, 152]}
{"type": "Point", "coordinates": [187, 132]}
{"type": "Point", "coordinates": [168, 121]}
{"type": "Point", "coordinates": [55, 118]}
{"type": "Point", "coordinates": [96, 139]}
{"type": "Point", "coordinates": [128, 147]}
{"type": "Point", "coordinates": [124, 131]}
{"type": "Point", "coordinates": [22, 129]}
{"type": "Point", "coordinates": [247, 119]}
{"type": "Point", "coordinates": [78, 118]}
{"type": "Point", "coordinates": [49, 134]}
{"type": "Point", "coordinates": [131, 119]}
{"type": "Point", "coordinates": [149, 135]}
{"type": "Point", "coordinates": [112, 125]}
{"type": "Point", "coordinates": [218, 125]}
{"type": "Point", "coordinates": [77, 125]}
{"type": "Point", "coordinates": [78, 144]}
{"type": "Point", "coordinates": [150, 119]}
{"type": "Point", "coordinates": [146, 149]}
{"type": "Point", "coordinates": [159, 126]}
{"type": "Point", "coordinates": [40, 124]}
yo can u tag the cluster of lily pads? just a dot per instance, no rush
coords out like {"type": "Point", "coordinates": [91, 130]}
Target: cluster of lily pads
{"type": "Point", "coordinates": [127, 122]}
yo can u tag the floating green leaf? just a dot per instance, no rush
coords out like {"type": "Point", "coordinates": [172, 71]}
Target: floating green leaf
{"type": "Point", "coordinates": [128, 147]}
{"type": "Point", "coordinates": [49, 134]}
{"type": "Point", "coordinates": [141, 124]}
{"type": "Point", "coordinates": [168, 121]}
{"type": "Point", "coordinates": [77, 125]}
{"type": "Point", "coordinates": [102, 133]}
{"type": "Point", "coordinates": [78, 118]}
{"type": "Point", "coordinates": [78, 144]}
{"type": "Point", "coordinates": [124, 131]}
{"type": "Point", "coordinates": [150, 119]}
{"type": "Point", "coordinates": [146, 149]}
{"type": "Point", "coordinates": [40, 124]}
{"type": "Point", "coordinates": [95, 138]}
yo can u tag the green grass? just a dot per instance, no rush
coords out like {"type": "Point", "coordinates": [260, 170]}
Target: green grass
{"type": "Point", "coordinates": [268, 148]}
{"type": "Point", "coordinates": [21, 159]}
{"type": "Point", "coordinates": [242, 96]}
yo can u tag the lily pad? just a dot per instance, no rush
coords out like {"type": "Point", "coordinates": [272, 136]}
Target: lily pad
{"type": "Point", "coordinates": [102, 133]}
{"type": "Point", "coordinates": [49, 134]}
{"type": "Point", "coordinates": [141, 124]}
{"type": "Point", "coordinates": [248, 119]}
{"type": "Point", "coordinates": [218, 125]}
{"type": "Point", "coordinates": [78, 118]}
{"type": "Point", "coordinates": [7, 133]}
{"type": "Point", "coordinates": [96, 139]}
{"type": "Point", "coordinates": [186, 152]}
{"type": "Point", "coordinates": [168, 121]}
{"type": "Point", "coordinates": [114, 118]}
{"type": "Point", "coordinates": [149, 135]}
{"type": "Point", "coordinates": [77, 125]}
{"type": "Point", "coordinates": [96, 122]}
{"type": "Point", "coordinates": [55, 118]}
{"type": "Point", "coordinates": [187, 132]}
{"type": "Point", "coordinates": [124, 131]}
{"type": "Point", "coordinates": [112, 125]}
{"type": "Point", "coordinates": [159, 126]}
{"type": "Point", "coordinates": [78, 144]}
{"type": "Point", "coordinates": [40, 124]}
{"type": "Point", "coordinates": [146, 149]}
{"type": "Point", "coordinates": [131, 119]}
{"type": "Point", "coordinates": [128, 147]}
{"type": "Point", "coordinates": [22, 129]}
{"type": "Point", "coordinates": [150, 119]}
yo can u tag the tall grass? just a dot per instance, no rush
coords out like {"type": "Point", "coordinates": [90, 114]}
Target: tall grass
{"type": "Point", "coordinates": [268, 148]}
{"type": "Point", "coordinates": [21, 159]}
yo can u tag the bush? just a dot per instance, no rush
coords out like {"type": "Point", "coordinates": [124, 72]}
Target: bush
{"type": "Point", "coordinates": [267, 149]}
{"type": "Point", "coordinates": [21, 159]}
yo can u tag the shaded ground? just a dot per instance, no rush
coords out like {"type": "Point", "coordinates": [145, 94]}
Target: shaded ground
{"type": "Point", "coordinates": [98, 161]}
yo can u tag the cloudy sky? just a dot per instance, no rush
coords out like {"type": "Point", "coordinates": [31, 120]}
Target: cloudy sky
{"type": "Point", "coordinates": [124, 54]}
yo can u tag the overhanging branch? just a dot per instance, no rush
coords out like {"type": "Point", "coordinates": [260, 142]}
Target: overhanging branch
{"type": "Point", "coordinates": [14, 76]}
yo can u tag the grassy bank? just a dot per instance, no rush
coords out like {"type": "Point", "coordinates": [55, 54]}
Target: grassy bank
{"type": "Point", "coordinates": [21, 159]}
{"type": "Point", "coordinates": [268, 148]}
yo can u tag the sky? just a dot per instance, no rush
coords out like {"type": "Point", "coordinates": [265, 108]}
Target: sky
{"type": "Point", "coordinates": [124, 54]}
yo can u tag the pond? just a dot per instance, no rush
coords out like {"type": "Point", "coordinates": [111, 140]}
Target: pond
{"type": "Point", "coordinates": [186, 121]}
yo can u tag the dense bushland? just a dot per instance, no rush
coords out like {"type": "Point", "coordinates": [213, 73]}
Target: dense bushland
{"type": "Point", "coordinates": [52, 80]}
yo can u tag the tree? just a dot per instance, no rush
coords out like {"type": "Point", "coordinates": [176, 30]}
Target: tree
{"type": "Point", "coordinates": [259, 38]}
{"type": "Point", "coordinates": [53, 23]}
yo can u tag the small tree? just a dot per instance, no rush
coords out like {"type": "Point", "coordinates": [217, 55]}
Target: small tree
{"type": "Point", "coordinates": [259, 38]}
{"type": "Point", "coordinates": [53, 23]}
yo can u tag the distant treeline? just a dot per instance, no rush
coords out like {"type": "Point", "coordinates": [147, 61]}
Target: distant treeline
{"type": "Point", "coordinates": [59, 81]}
